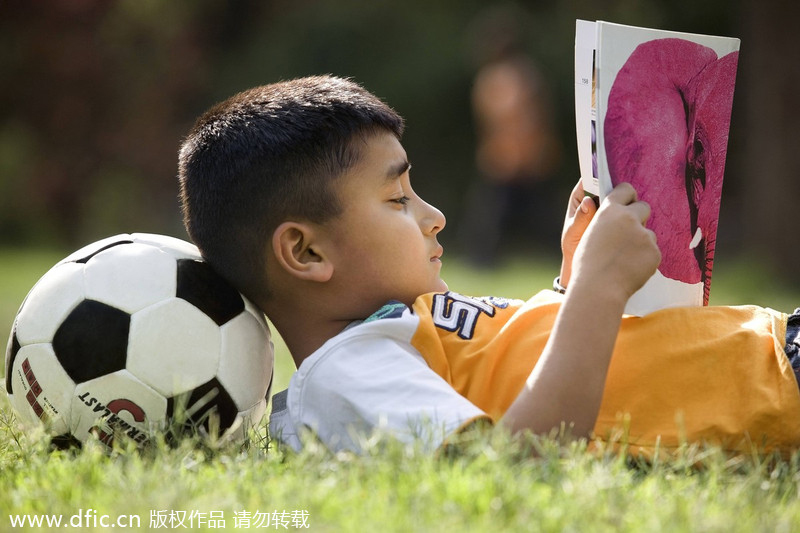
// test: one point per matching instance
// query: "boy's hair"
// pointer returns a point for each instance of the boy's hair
(267, 155)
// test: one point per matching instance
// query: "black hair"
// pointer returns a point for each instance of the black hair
(267, 155)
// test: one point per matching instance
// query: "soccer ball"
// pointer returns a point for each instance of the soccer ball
(134, 334)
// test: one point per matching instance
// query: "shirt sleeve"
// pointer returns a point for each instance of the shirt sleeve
(367, 383)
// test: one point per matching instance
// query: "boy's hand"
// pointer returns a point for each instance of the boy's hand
(580, 211)
(618, 252)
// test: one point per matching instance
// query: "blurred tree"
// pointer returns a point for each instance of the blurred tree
(95, 99)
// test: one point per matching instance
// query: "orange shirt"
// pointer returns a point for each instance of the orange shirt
(693, 374)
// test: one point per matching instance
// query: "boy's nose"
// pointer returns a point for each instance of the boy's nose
(433, 221)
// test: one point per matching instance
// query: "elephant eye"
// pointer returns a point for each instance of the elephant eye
(696, 167)
(699, 163)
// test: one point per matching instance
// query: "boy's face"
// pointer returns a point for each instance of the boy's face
(384, 243)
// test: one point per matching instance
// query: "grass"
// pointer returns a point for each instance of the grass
(491, 486)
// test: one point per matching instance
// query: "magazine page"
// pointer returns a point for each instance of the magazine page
(663, 106)
(585, 108)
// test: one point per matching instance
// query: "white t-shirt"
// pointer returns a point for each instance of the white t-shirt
(370, 378)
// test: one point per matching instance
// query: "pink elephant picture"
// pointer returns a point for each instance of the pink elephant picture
(666, 132)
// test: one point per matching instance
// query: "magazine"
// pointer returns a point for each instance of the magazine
(653, 108)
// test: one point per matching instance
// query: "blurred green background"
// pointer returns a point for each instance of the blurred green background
(97, 94)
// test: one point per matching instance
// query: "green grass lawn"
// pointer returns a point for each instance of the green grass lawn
(492, 486)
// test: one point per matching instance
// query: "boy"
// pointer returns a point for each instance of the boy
(299, 193)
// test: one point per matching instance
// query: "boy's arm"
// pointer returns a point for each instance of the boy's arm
(614, 258)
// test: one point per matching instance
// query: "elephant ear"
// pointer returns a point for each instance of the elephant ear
(711, 95)
(646, 135)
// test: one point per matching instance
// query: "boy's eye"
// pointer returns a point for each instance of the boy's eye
(403, 200)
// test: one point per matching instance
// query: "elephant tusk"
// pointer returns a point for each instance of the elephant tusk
(698, 236)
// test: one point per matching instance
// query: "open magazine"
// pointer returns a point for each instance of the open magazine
(653, 108)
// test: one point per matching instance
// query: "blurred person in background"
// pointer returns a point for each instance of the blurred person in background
(512, 203)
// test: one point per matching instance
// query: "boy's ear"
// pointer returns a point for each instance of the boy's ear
(296, 249)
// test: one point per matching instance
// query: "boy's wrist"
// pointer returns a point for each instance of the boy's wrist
(564, 274)
(596, 293)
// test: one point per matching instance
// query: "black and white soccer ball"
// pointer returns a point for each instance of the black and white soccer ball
(131, 333)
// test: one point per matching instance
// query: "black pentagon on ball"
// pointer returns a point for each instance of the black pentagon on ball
(202, 287)
(10, 357)
(206, 401)
(92, 341)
